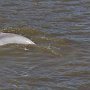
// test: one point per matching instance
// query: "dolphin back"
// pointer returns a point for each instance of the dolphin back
(10, 38)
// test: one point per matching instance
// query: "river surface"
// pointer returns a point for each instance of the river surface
(61, 58)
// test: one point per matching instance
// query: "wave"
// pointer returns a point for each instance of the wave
(46, 43)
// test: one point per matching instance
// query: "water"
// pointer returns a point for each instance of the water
(61, 30)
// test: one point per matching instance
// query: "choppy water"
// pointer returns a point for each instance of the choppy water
(61, 59)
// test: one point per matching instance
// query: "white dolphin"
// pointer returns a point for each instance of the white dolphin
(10, 38)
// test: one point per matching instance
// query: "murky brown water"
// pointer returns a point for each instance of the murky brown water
(61, 59)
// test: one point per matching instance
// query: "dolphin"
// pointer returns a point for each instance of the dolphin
(10, 38)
